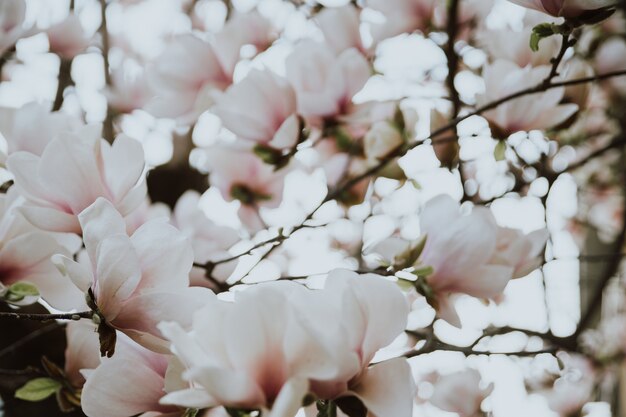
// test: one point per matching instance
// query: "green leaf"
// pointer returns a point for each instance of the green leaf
(405, 284)
(542, 30)
(499, 150)
(191, 412)
(423, 271)
(20, 290)
(268, 154)
(38, 389)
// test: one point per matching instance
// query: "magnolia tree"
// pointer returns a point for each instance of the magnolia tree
(271, 208)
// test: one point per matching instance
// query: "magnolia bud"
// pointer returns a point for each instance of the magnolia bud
(381, 140)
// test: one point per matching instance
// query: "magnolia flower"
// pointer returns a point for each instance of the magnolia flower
(460, 393)
(129, 89)
(522, 252)
(25, 253)
(12, 14)
(210, 242)
(373, 313)
(183, 76)
(381, 139)
(130, 383)
(574, 387)
(279, 341)
(401, 16)
(258, 352)
(242, 29)
(72, 173)
(135, 281)
(513, 45)
(564, 8)
(241, 175)
(262, 109)
(610, 57)
(67, 38)
(82, 351)
(340, 26)
(325, 83)
(31, 127)
(533, 111)
(460, 249)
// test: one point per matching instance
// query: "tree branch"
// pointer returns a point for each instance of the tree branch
(46, 317)
(107, 127)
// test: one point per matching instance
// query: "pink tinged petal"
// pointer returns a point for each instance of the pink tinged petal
(289, 400)
(229, 387)
(117, 274)
(82, 350)
(446, 310)
(122, 388)
(80, 275)
(141, 314)
(487, 282)
(191, 397)
(288, 133)
(387, 389)
(460, 248)
(24, 166)
(50, 219)
(165, 254)
(183, 345)
(70, 167)
(134, 198)
(555, 116)
(438, 214)
(99, 221)
(123, 165)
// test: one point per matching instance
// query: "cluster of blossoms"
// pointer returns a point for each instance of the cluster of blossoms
(188, 313)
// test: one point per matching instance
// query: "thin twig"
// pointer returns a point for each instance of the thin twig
(46, 317)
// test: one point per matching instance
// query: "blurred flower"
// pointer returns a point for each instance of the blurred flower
(25, 253)
(460, 393)
(31, 127)
(72, 172)
(67, 38)
(325, 83)
(533, 111)
(564, 8)
(261, 108)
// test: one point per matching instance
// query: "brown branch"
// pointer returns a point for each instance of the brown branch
(107, 127)
(46, 317)
(612, 268)
(403, 149)
(64, 81)
(434, 345)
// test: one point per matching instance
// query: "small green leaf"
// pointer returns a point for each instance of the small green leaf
(499, 150)
(405, 284)
(268, 154)
(191, 412)
(542, 30)
(38, 389)
(423, 271)
(19, 290)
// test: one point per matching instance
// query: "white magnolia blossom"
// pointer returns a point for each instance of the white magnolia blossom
(292, 343)
(136, 281)
(72, 173)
